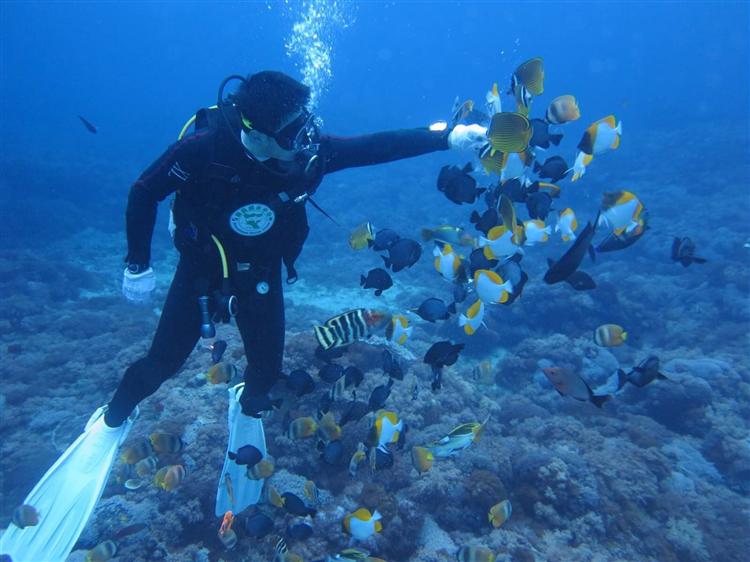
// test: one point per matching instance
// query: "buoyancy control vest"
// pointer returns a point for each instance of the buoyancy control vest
(235, 211)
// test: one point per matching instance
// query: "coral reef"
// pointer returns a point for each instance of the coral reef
(658, 473)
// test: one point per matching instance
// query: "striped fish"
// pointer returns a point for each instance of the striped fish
(280, 549)
(348, 327)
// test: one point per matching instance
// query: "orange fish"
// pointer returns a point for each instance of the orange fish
(226, 523)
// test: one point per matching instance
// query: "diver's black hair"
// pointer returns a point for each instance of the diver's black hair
(267, 97)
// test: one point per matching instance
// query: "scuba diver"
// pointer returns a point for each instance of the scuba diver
(242, 180)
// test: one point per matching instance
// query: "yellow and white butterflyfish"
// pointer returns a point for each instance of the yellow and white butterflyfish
(515, 165)
(499, 243)
(620, 211)
(398, 330)
(362, 524)
(473, 319)
(599, 137)
(492, 99)
(447, 262)
(490, 287)
(567, 224)
(536, 231)
(388, 428)
(579, 166)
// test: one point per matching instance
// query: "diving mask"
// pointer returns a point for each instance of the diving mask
(299, 133)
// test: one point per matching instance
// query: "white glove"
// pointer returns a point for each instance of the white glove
(137, 287)
(465, 137)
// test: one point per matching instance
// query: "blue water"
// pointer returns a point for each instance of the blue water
(677, 75)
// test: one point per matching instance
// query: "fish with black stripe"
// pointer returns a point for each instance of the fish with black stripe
(348, 327)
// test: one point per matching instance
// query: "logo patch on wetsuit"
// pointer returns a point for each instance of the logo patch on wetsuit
(252, 220)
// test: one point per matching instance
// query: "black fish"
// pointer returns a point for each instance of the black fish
(379, 395)
(331, 372)
(514, 190)
(581, 281)
(332, 453)
(540, 135)
(434, 309)
(441, 354)
(645, 373)
(458, 185)
(89, 125)
(563, 268)
(383, 459)
(259, 403)
(403, 253)
(391, 366)
(327, 355)
(377, 279)
(486, 221)
(554, 168)
(549, 188)
(384, 239)
(511, 271)
(324, 406)
(477, 260)
(300, 382)
(354, 411)
(247, 455)
(258, 525)
(460, 292)
(294, 505)
(217, 351)
(683, 251)
(353, 376)
(299, 529)
(539, 205)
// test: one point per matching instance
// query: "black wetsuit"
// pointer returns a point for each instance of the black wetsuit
(213, 178)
